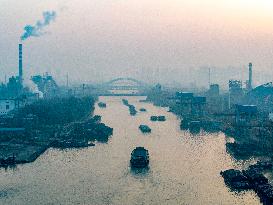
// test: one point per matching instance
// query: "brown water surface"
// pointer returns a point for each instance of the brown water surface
(184, 169)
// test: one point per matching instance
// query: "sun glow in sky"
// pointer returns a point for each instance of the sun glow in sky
(108, 38)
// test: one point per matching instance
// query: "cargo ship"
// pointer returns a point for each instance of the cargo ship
(139, 158)
(102, 105)
(145, 128)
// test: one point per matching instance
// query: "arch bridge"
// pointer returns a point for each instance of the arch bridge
(118, 86)
(124, 84)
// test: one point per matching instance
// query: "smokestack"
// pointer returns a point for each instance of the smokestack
(250, 76)
(20, 62)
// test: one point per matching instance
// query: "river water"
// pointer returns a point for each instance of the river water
(184, 169)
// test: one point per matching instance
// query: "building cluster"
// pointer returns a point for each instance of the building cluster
(245, 113)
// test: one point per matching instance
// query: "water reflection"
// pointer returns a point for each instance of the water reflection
(142, 172)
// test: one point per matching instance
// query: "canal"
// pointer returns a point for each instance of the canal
(184, 169)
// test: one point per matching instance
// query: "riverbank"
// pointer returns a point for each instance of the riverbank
(250, 128)
(22, 152)
(250, 135)
(50, 124)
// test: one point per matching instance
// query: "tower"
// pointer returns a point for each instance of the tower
(250, 76)
(20, 62)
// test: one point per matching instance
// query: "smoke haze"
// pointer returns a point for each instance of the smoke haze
(37, 29)
(149, 40)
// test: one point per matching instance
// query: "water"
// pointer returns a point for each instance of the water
(184, 169)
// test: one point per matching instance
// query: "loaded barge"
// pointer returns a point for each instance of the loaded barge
(139, 158)
(145, 128)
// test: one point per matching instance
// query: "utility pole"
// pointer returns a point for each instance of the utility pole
(83, 87)
(250, 76)
(67, 80)
(209, 77)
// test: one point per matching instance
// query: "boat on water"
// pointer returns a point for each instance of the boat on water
(158, 118)
(125, 102)
(139, 157)
(132, 110)
(195, 126)
(184, 125)
(161, 118)
(102, 105)
(8, 161)
(145, 128)
(153, 118)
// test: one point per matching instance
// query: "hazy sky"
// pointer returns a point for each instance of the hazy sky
(151, 40)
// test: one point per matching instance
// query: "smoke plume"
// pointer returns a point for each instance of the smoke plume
(37, 29)
(32, 87)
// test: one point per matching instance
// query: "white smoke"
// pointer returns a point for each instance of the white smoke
(37, 29)
(33, 87)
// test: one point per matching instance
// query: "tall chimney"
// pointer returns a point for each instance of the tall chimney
(20, 62)
(250, 76)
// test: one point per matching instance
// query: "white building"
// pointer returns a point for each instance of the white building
(7, 105)
(271, 116)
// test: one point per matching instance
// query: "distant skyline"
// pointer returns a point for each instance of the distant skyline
(169, 41)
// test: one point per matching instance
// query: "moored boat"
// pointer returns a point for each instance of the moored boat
(194, 126)
(8, 161)
(102, 105)
(161, 118)
(184, 125)
(235, 179)
(153, 118)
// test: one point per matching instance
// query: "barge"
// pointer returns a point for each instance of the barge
(142, 110)
(102, 105)
(161, 118)
(139, 158)
(153, 118)
(145, 128)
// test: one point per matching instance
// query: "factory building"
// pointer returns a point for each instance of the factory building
(7, 105)
(262, 96)
(245, 113)
(187, 104)
(235, 92)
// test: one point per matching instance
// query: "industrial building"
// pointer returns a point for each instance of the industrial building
(46, 85)
(262, 96)
(7, 105)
